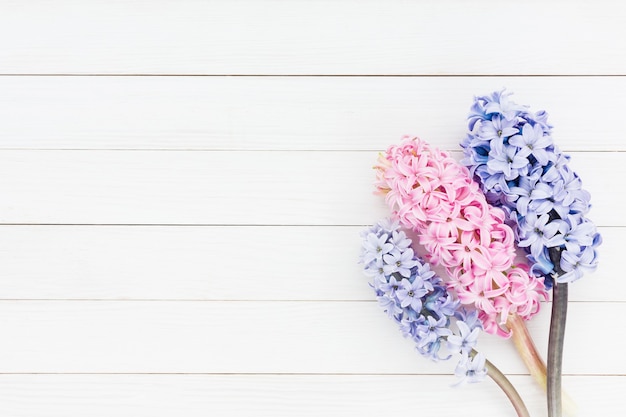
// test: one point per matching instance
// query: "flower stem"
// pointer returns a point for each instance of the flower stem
(535, 364)
(508, 388)
(527, 349)
(555, 348)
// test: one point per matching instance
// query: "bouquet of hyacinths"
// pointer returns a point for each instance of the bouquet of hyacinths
(412, 295)
(510, 151)
(435, 197)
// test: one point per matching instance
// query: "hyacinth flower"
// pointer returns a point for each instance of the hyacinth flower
(434, 196)
(413, 296)
(510, 151)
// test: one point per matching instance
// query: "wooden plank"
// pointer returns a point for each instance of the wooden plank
(300, 37)
(258, 337)
(287, 113)
(283, 395)
(190, 263)
(277, 188)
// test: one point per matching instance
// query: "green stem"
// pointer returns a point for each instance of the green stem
(529, 354)
(555, 347)
(508, 388)
(526, 348)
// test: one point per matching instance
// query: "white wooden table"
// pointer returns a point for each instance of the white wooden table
(182, 184)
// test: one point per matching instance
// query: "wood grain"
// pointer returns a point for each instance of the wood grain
(200, 263)
(282, 395)
(289, 113)
(260, 337)
(262, 188)
(322, 37)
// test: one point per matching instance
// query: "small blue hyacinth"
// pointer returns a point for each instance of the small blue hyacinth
(471, 370)
(410, 293)
(511, 153)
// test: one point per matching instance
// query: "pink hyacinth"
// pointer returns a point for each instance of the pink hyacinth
(432, 194)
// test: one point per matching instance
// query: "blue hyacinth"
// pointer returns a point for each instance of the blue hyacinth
(417, 299)
(512, 155)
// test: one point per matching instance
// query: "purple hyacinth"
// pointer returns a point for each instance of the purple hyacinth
(544, 199)
(419, 302)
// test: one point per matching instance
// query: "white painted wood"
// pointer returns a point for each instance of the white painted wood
(161, 187)
(285, 395)
(179, 199)
(201, 263)
(301, 113)
(260, 337)
(321, 37)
